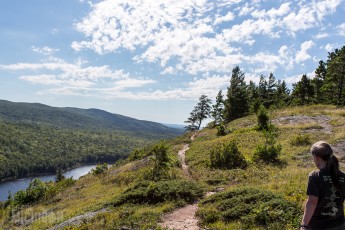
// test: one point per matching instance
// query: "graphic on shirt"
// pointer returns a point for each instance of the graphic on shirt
(331, 206)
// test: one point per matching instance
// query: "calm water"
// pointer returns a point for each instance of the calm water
(20, 184)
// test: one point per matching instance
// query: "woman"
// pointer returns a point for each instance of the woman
(326, 188)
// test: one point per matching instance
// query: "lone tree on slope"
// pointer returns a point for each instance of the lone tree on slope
(200, 112)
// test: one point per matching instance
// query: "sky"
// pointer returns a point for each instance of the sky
(153, 59)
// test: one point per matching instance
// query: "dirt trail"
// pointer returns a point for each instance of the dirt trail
(182, 157)
(182, 218)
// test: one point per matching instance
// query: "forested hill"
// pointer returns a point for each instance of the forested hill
(36, 138)
(75, 118)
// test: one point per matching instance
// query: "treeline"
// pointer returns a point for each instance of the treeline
(32, 149)
(326, 87)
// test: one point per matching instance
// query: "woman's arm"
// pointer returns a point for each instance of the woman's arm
(309, 210)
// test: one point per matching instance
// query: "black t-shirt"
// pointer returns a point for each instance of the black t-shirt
(329, 211)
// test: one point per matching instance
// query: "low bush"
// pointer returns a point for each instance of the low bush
(32, 194)
(221, 130)
(148, 192)
(39, 190)
(300, 140)
(267, 153)
(227, 156)
(252, 207)
(263, 118)
(100, 169)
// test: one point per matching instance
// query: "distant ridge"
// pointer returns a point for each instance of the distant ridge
(175, 126)
(76, 118)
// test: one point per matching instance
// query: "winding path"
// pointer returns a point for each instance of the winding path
(182, 218)
(182, 157)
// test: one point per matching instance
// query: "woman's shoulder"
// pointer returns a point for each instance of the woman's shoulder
(314, 173)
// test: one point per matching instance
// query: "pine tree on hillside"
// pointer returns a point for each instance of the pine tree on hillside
(263, 89)
(192, 119)
(282, 94)
(303, 91)
(318, 81)
(271, 90)
(218, 109)
(335, 76)
(236, 104)
(200, 112)
(253, 97)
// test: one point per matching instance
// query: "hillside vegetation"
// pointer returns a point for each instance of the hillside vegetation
(36, 138)
(135, 193)
(75, 118)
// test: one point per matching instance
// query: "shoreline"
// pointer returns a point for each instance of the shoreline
(51, 174)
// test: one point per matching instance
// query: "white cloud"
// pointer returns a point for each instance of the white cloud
(303, 55)
(168, 70)
(130, 83)
(210, 85)
(293, 79)
(309, 15)
(75, 78)
(245, 10)
(322, 35)
(46, 79)
(341, 29)
(228, 17)
(44, 50)
(330, 47)
(189, 36)
(285, 55)
(272, 13)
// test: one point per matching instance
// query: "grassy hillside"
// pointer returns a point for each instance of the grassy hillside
(135, 193)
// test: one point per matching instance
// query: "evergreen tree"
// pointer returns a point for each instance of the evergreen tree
(303, 91)
(263, 90)
(236, 104)
(192, 121)
(253, 97)
(335, 76)
(59, 176)
(263, 118)
(282, 94)
(200, 112)
(318, 81)
(218, 109)
(271, 90)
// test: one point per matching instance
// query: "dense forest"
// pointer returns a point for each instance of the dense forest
(75, 118)
(326, 87)
(37, 139)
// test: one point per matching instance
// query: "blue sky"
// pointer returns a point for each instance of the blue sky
(152, 59)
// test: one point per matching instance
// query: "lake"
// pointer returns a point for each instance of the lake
(20, 184)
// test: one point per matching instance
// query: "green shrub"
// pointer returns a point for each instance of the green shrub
(100, 169)
(32, 194)
(55, 188)
(252, 207)
(138, 154)
(301, 140)
(267, 153)
(162, 161)
(263, 118)
(148, 192)
(221, 130)
(227, 156)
